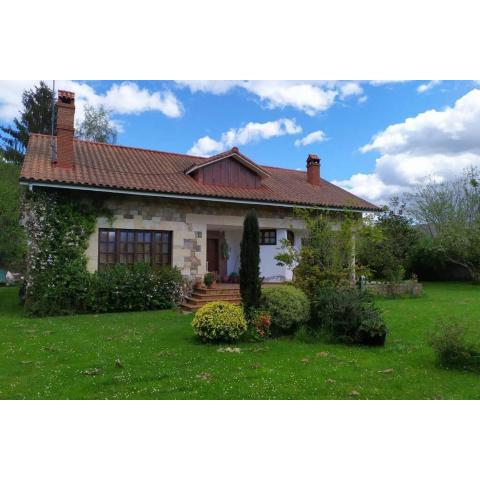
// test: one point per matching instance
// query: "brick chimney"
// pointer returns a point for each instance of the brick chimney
(313, 169)
(65, 128)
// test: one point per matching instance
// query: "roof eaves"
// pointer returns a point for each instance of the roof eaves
(213, 197)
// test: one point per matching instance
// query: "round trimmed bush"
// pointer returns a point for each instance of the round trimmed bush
(219, 321)
(288, 307)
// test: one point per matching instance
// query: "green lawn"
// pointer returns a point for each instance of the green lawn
(51, 358)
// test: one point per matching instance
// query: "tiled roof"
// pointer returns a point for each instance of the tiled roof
(126, 168)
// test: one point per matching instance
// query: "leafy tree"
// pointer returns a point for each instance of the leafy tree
(326, 256)
(450, 214)
(96, 126)
(250, 282)
(12, 237)
(36, 117)
(387, 243)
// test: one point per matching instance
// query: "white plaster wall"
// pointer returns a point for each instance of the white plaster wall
(233, 238)
(268, 265)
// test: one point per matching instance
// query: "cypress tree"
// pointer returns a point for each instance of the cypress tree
(250, 282)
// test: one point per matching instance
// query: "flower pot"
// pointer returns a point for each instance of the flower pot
(372, 341)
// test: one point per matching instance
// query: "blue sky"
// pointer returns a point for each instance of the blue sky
(268, 120)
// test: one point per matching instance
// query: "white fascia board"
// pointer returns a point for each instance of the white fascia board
(182, 197)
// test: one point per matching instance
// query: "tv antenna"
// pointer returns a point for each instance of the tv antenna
(52, 142)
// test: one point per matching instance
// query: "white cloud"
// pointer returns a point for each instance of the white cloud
(11, 97)
(437, 144)
(454, 130)
(217, 87)
(424, 87)
(125, 98)
(369, 186)
(313, 137)
(311, 97)
(121, 98)
(249, 133)
(206, 146)
(350, 88)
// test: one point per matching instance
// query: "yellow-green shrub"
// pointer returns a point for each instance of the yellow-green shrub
(219, 321)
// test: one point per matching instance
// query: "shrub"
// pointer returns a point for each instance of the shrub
(57, 280)
(259, 324)
(450, 342)
(137, 287)
(372, 331)
(58, 228)
(288, 307)
(208, 279)
(342, 311)
(219, 321)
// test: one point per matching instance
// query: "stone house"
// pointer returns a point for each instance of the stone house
(176, 209)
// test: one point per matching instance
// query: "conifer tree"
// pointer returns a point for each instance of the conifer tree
(36, 117)
(250, 282)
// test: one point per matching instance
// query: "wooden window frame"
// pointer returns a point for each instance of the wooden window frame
(117, 252)
(264, 231)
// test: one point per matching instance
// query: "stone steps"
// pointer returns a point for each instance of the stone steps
(201, 296)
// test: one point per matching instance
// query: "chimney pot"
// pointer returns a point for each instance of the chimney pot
(65, 128)
(313, 169)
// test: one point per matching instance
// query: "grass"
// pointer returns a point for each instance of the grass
(76, 357)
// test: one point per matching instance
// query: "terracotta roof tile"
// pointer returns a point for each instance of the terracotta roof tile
(128, 168)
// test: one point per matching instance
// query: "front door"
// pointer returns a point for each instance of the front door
(212, 254)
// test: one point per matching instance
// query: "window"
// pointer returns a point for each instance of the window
(268, 237)
(134, 246)
(291, 237)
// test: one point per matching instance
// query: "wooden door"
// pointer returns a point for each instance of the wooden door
(212, 254)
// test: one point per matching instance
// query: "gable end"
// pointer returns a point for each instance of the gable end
(227, 172)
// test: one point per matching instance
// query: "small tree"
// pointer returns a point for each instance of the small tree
(327, 253)
(36, 117)
(450, 214)
(250, 282)
(96, 126)
(387, 243)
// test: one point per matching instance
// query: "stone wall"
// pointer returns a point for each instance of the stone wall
(188, 220)
(384, 289)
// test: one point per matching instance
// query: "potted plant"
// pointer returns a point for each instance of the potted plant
(198, 282)
(208, 279)
(372, 332)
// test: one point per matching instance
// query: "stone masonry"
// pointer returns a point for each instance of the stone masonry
(187, 219)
